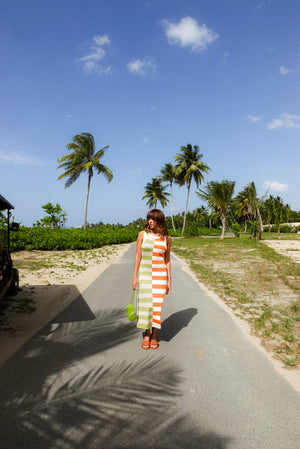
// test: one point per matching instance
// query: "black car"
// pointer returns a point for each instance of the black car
(9, 276)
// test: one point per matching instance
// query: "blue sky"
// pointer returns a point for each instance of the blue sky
(145, 78)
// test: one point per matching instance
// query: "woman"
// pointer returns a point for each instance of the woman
(152, 259)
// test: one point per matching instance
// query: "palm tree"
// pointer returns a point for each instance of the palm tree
(218, 196)
(252, 202)
(168, 174)
(155, 191)
(242, 208)
(83, 158)
(278, 209)
(189, 168)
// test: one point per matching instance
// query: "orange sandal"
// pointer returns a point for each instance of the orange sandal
(146, 343)
(154, 344)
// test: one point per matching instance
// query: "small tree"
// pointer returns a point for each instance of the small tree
(55, 218)
(218, 196)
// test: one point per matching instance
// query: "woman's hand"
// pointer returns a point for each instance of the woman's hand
(135, 283)
(169, 288)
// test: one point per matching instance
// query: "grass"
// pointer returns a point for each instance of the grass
(259, 284)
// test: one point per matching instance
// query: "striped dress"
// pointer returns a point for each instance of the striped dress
(153, 281)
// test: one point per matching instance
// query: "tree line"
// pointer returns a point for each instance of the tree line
(188, 168)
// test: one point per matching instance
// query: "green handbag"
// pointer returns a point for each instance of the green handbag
(131, 308)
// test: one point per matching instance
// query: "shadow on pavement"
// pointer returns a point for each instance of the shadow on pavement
(172, 325)
(59, 391)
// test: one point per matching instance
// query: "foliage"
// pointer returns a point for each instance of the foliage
(83, 158)
(189, 167)
(55, 218)
(236, 229)
(69, 239)
(168, 174)
(155, 192)
(247, 204)
(218, 196)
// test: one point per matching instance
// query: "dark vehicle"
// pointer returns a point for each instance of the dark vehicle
(9, 276)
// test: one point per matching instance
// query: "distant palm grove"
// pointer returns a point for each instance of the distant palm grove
(244, 212)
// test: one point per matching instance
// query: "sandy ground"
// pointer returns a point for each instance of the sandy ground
(290, 248)
(45, 292)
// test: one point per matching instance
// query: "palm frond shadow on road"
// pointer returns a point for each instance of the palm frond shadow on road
(59, 394)
(59, 346)
(125, 405)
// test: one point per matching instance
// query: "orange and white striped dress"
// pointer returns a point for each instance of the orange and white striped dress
(153, 280)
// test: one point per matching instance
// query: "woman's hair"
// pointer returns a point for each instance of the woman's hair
(158, 216)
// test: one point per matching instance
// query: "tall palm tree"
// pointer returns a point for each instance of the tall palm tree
(168, 174)
(155, 192)
(83, 158)
(218, 196)
(189, 167)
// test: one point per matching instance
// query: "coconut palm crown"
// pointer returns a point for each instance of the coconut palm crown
(155, 192)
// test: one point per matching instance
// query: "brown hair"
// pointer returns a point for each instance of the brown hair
(158, 216)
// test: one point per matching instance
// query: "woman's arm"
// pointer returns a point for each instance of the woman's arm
(138, 256)
(168, 263)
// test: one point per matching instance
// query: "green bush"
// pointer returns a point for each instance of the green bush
(70, 239)
(236, 229)
(285, 228)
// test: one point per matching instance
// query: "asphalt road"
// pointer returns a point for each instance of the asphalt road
(83, 382)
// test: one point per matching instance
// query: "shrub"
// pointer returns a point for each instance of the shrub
(70, 239)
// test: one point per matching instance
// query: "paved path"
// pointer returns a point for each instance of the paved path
(83, 382)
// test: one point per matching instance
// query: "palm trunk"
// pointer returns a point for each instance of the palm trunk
(186, 205)
(171, 201)
(86, 201)
(223, 218)
(260, 225)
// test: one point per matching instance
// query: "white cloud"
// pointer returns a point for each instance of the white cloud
(284, 70)
(142, 66)
(18, 158)
(254, 118)
(285, 120)
(188, 33)
(90, 62)
(276, 186)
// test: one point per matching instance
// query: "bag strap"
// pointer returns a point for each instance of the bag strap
(133, 298)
